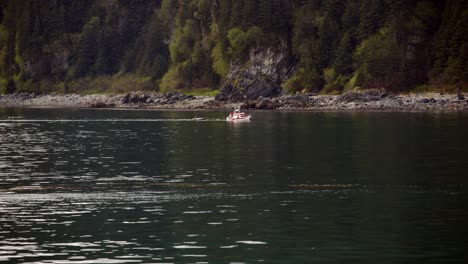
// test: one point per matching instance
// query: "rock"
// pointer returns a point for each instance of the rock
(143, 97)
(176, 96)
(424, 101)
(168, 95)
(265, 104)
(101, 104)
(134, 98)
(262, 104)
(432, 100)
(261, 88)
(125, 99)
(362, 96)
(260, 76)
(251, 90)
(460, 97)
(249, 104)
(297, 101)
(212, 104)
(229, 93)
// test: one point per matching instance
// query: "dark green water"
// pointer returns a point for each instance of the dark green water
(108, 186)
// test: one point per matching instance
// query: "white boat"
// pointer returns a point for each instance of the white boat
(237, 115)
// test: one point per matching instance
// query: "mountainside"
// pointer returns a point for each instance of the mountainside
(242, 47)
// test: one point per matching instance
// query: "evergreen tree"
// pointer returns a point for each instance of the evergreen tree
(351, 16)
(371, 18)
(236, 13)
(450, 44)
(87, 52)
(334, 8)
(249, 13)
(265, 11)
(328, 41)
(225, 7)
(344, 54)
(190, 43)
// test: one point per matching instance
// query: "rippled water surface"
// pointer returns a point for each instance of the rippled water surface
(114, 186)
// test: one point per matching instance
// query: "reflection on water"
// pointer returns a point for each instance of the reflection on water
(102, 186)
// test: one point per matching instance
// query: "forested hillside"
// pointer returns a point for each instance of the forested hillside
(330, 45)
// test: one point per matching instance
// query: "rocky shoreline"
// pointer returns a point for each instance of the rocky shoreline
(368, 100)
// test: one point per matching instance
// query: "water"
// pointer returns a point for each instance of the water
(114, 186)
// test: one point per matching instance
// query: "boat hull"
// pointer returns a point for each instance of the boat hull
(234, 118)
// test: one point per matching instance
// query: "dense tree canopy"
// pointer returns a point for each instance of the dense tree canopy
(187, 44)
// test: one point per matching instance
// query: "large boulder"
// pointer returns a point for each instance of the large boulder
(125, 99)
(135, 98)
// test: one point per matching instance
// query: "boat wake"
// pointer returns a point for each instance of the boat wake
(108, 120)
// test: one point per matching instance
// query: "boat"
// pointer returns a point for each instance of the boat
(237, 115)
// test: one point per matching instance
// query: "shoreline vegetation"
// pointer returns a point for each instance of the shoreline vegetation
(241, 48)
(366, 100)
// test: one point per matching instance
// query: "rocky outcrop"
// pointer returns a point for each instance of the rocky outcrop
(366, 100)
(370, 100)
(260, 76)
(167, 98)
(362, 96)
(100, 104)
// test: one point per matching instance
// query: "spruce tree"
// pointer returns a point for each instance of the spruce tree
(265, 11)
(372, 17)
(87, 52)
(344, 55)
(249, 13)
(236, 13)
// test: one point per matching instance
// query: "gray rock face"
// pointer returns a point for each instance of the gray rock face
(140, 98)
(260, 76)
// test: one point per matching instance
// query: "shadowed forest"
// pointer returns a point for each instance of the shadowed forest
(330, 45)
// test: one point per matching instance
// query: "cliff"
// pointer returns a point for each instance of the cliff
(261, 76)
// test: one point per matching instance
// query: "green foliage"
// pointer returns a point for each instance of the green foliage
(3, 85)
(202, 92)
(220, 63)
(238, 41)
(189, 44)
(87, 52)
(329, 75)
(173, 79)
(344, 55)
(303, 80)
(372, 15)
(334, 83)
(183, 40)
(356, 81)
(377, 58)
(451, 45)
(4, 52)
